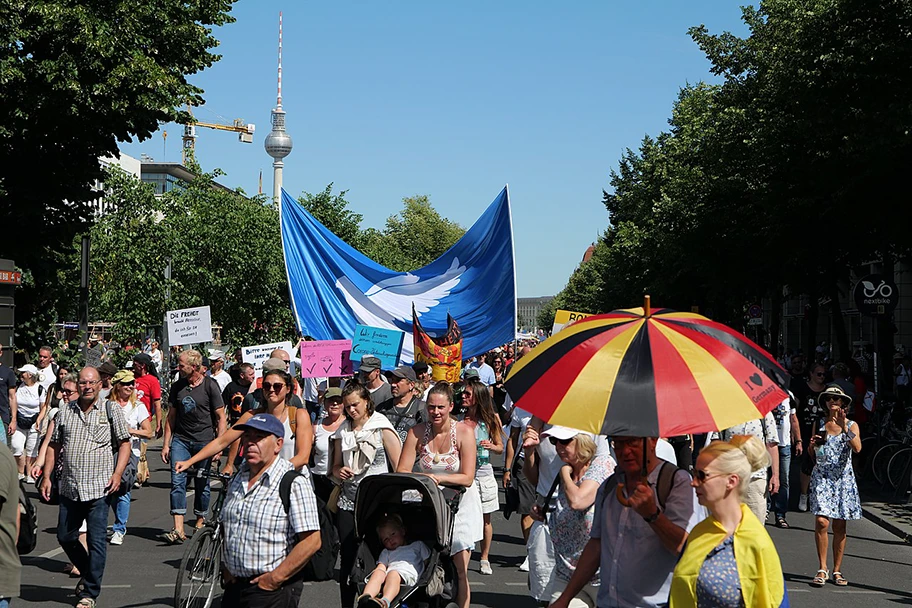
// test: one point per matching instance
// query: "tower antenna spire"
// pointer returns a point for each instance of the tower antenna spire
(278, 142)
(279, 96)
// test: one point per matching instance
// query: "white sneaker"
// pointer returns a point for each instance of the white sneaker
(117, 539)
(486, 567)
(803, 503)
(29, 479)
(21, 476)
(524, 567)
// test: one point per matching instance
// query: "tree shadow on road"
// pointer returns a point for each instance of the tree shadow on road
(801, 578)
(47, 595)
(495, 600)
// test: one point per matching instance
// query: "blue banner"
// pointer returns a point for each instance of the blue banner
(334, 287)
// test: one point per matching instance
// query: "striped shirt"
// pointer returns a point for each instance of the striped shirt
(259, 535)
(87, 448)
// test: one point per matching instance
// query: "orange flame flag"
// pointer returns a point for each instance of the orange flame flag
(443, 354)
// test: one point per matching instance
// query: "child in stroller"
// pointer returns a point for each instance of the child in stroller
(399, 564)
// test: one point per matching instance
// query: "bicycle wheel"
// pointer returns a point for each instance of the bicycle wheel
(198, 575)
(898, 465)
(882, 459)
(862, 461)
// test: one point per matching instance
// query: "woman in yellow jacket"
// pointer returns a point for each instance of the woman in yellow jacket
(729, 561)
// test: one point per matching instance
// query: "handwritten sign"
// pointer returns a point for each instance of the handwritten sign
(326, 358)
(189, 326)
(385, 344)
(256, 355)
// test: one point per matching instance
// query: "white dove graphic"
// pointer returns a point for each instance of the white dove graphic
(390, 300)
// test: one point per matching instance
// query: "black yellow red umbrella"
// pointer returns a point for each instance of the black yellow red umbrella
(647, 373)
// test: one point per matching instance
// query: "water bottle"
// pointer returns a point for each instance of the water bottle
(481, 433)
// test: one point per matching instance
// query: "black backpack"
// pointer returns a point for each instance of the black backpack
(28, 523)
(322, 565)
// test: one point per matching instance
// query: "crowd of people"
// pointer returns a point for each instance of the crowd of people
(619, 521)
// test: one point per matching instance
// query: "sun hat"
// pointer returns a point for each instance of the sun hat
(123, 375)
(834, 390)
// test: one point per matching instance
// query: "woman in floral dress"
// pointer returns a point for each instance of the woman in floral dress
(833, 491)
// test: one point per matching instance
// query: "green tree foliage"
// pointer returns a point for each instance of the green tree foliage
(76, 78)
(332, 211)
(225, 252)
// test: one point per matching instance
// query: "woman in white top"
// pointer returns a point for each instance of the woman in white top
(447, 455)
(323, 431)
(139, 423)
(362, 446)
(30, 411)
(479, 415)
(278, 388)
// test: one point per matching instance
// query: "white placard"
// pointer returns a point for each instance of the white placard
(189, 326)
(256, 355)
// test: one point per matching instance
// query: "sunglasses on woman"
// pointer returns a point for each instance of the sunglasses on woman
(555, 441)
(702, 476)
(273, 386)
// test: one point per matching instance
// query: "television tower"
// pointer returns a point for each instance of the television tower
(278, 142)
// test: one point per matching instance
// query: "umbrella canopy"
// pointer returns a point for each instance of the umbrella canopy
(647, 373)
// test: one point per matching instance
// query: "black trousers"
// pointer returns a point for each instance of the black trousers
(243, 594)
(348, 551)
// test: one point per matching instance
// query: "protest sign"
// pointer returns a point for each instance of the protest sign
(385, 344)
(189, 326)
(326, 358)
(256, 355)
(565, 317)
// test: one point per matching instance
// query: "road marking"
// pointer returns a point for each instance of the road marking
(799, 590)
(863, 591)
(474, 584)
(116, 586)
(52, 553)
(516, 584)
(164, 584)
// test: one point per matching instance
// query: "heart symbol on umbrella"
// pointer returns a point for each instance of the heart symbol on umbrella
(757, 379)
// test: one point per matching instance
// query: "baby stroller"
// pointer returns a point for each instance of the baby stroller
(429, 512)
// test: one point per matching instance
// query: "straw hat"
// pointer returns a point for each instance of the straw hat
(834, 390)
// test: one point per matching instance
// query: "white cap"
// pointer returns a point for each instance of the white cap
(215, 355)
(563, 432)
(28, 367)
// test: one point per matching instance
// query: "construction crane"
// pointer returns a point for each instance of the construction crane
(244, 131)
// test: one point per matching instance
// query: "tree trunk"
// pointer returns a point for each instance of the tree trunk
(842, 337)
(810, 339)
(776, 320)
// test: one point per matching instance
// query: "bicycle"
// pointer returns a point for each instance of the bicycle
(898, 466)
(200, 568)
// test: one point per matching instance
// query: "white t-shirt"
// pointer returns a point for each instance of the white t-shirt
(28, 400)
(406, 557)
(223, 378)
(311, 388)
(782, 413)
(321, 450)
(46, 376)
(519, 419)
(135, 415)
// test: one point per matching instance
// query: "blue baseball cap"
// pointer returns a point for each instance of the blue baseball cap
(263, 422)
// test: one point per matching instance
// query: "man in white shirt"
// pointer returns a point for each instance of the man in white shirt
(47, 369)
(217, 369)
(485, 371)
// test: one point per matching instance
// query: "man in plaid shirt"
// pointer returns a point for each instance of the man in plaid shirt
(265, 547)
(93, 451)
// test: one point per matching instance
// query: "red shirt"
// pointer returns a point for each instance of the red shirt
(148, 389)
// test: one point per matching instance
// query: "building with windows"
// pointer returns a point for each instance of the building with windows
(527, 310)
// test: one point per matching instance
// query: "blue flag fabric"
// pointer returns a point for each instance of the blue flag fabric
(334, 287)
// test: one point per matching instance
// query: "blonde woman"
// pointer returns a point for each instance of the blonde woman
(729, 561)
(139, 424)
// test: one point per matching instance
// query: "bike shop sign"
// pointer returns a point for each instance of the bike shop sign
(875, 295)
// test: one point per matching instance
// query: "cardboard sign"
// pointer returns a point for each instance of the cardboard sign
(562, 318)
(326, 358)
(385, 344)
(256, 355)
(189, 326)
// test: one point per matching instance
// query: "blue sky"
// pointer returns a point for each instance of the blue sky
(454, 100)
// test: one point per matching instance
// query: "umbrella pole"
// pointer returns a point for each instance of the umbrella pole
(647, 307)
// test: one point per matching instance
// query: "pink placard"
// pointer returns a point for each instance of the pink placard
(326, 358)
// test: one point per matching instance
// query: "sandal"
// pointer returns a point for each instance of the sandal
(174, 537)
(781, 523)
(85, 602)
(821, 578)
(839, 579)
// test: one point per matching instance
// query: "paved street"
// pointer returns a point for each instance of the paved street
(141, 572)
